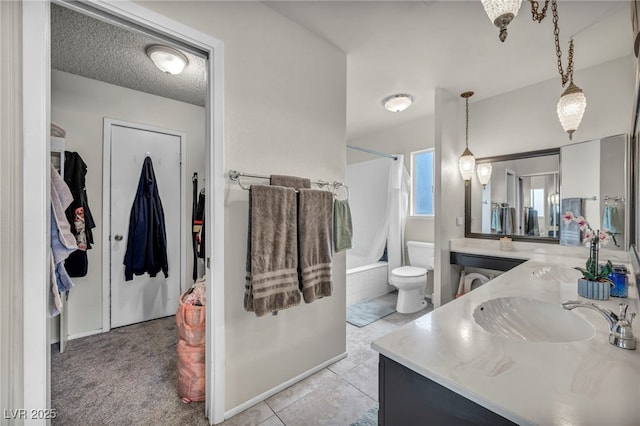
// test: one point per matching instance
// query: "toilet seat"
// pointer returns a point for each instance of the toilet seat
(409, 272)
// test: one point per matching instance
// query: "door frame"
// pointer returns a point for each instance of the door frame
(36, 110)
(108, 123)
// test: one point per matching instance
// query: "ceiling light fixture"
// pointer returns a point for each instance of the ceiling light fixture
(484, 173)
(167, 59)
(467, 161)
(573, 102)
(501, 13)
(397, 103)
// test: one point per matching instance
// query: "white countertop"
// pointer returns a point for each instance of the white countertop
(588, 382)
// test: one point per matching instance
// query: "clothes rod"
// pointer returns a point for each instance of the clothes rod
(370, 151)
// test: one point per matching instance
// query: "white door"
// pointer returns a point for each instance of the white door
(144, 298)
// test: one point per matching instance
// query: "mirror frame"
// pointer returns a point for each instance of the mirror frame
(507, 157)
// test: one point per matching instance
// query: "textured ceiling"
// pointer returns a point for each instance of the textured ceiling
(91, 48)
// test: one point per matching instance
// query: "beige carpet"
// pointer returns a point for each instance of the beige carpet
(124, 377)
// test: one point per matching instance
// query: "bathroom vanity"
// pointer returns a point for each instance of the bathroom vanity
(446, 368)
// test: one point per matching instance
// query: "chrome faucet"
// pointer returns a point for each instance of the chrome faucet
(621, 334)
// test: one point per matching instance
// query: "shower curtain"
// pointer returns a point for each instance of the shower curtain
(379, 204)
(368, 182)
(398, 198)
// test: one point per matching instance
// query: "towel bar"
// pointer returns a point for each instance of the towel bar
(235, 176)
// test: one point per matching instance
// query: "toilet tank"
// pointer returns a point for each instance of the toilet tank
(421, 254)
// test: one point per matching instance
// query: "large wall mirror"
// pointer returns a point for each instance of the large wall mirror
(528, 193)
(520, 200)
(595, 184)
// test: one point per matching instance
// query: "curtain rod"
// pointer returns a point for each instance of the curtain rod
(370, 151)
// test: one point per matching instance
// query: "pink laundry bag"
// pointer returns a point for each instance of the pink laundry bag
(190, 321)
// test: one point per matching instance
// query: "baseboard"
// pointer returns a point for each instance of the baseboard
(78, 336)
(253, 401)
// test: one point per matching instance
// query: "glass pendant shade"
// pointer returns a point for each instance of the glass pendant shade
(484, 173)
(501, 13)
(571, 108)
(467, 164)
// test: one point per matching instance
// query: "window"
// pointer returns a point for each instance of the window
(422, 183)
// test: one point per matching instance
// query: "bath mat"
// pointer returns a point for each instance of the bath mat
(368, 311)
(370, 418)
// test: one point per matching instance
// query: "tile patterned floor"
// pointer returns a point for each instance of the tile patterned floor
(337, 395)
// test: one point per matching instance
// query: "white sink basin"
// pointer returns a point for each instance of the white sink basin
(531, 320)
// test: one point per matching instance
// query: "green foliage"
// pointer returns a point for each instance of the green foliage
(592, 273)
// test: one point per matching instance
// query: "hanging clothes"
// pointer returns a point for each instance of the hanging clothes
(78, 213)
(199, 226)
(147, 239)
(194, 244)
(62, 242)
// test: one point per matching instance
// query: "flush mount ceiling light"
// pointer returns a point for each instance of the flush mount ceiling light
(167, 59)
(573, 102)
(397, 103)
(467, 161)
(484, 173)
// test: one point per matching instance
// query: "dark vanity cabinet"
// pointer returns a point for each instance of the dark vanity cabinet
(495, 263)
(408, 398)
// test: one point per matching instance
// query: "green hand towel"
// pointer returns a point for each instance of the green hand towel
(342, 227)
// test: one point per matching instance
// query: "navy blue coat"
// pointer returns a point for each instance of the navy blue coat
(147, 241)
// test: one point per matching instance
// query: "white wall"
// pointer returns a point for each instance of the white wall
(526, 119)
(449, 199)
(11, 199)
(581, 177)
(414, 136)
(285, 113)
(79, 105)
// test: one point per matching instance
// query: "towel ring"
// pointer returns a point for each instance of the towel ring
(336, 186)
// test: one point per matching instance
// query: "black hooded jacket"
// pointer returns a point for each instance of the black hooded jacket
(147, 241)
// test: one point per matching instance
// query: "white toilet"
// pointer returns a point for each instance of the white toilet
(411, 281)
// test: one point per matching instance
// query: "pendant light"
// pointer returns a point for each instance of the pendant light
(467, 162)
(572, 102)
(484, 173)
(501, 13)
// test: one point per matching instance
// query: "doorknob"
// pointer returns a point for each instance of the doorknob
(118, 237)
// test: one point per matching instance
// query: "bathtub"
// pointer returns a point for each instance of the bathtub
(365, 281)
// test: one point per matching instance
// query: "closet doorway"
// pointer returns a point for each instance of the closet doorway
(125, 148)
(36, 24)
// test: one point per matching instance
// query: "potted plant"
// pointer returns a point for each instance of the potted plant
(595, 282)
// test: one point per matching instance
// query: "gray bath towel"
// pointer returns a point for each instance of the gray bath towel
(272, 250)
(315, 208)
(290, 181)
(570, 232)
(508, 220)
